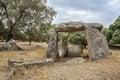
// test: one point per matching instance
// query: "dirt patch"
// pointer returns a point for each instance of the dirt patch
(106, 69)
(30, 52)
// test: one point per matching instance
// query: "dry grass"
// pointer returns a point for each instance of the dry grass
(31, 52)
(106, 69)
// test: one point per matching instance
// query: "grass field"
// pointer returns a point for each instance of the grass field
(106, 69)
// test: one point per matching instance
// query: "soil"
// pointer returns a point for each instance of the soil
(105, 69)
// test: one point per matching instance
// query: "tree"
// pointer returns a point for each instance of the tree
(115, 25)
(115, 37)
(78, 38)
(108, 33)
(19, 15)
(29, 35)
(45, 31)
(2, 29)
(113, 32)
(75, 38)
(64, 35)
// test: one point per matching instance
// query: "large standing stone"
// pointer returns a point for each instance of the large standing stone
(62, 48)
(97, 43)
(75, 51)
(52, 51)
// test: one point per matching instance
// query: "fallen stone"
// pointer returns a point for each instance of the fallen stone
(41, 62)
(14, 66)
(75, 61)
(10, 45)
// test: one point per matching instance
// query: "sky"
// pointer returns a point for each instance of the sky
(88, 11)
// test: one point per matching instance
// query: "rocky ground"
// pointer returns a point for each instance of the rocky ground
(64, 69)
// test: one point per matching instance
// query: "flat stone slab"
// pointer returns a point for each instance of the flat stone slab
(76, 26)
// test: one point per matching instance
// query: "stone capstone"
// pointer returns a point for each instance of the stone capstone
(76, 26)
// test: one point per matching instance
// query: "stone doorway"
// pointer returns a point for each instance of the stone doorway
(71, 44)
(97, 43)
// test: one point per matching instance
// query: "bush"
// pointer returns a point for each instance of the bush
(77, 38)
(115, 37)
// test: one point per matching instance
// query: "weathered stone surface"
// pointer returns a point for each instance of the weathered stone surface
(94, 25)
(76, 26)
(62, 48)
(10, 45)
(41, 62)
(75, 51)
(70, 27)
(75, 61)
(97, 43)
(14, 66)
(52, 51)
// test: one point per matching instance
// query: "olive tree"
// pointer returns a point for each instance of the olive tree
(21, 15)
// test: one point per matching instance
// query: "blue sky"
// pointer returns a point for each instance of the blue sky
(98, 11)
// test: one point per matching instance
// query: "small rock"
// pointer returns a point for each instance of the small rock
(10, 45)
(75, 61)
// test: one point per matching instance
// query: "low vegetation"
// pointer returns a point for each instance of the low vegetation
(90, 70)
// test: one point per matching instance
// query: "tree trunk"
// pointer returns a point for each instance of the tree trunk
(9, 36)
(30, 41)
(84, 46)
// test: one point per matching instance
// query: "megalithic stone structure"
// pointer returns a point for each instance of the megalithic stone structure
(97, 43)
(52, 50)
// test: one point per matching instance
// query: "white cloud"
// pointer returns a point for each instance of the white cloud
(115, 4)
(101, 11)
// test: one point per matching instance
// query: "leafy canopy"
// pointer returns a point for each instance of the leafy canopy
(113, 32)
(21, 15)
